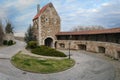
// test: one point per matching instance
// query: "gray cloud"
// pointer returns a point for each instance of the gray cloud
(109, 15)
(106, 14)
(72, 12)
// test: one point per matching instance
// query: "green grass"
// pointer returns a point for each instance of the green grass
(37, 65)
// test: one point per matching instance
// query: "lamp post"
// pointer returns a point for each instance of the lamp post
(69, 49)
(69, 44)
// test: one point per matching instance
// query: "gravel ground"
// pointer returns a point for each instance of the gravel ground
(115, 63)
(87, 67)
(2, 47)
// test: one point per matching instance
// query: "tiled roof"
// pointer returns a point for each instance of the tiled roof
(104, 31)
(41, 11)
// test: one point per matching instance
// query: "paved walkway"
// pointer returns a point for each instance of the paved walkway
(86, 68)
(115, 63)
(9, 51)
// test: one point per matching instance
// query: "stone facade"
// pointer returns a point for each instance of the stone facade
(110, 49)
(47, 25)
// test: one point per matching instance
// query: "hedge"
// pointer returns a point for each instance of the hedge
(8, 42)
(47, 51)
(32, 44)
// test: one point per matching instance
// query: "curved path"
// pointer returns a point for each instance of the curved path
(86, 68)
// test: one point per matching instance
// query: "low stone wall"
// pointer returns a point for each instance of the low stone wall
(9, 37)
(110, 49)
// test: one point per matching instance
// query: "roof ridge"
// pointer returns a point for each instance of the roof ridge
(41, 10)
(104, 31)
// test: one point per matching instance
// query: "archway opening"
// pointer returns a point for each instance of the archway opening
(82, 46)
(101, 49)
(49, 42)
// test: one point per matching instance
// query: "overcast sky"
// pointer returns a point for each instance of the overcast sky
(72, 12)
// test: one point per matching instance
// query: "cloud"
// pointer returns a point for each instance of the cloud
(20, 12)
(105, 13)
(105, 4)
(108, 15)
(2, 14)
(20, 34)
(72, 12)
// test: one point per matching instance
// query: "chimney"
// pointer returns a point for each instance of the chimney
(38, 8)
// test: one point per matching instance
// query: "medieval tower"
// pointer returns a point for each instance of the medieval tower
(46, 24)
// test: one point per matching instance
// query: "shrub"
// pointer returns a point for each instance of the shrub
(46, 51)
(5, 42)
(10, 42)
(32, 44)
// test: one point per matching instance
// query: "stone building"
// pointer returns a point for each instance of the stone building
(46, 25)
(47, 31)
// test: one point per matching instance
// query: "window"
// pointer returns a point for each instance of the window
(101, 49)
(47, 20)
(82, 46)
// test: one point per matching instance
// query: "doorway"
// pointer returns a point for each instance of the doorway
(49, 42)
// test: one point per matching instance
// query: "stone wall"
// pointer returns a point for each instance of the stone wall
(9, 37)
(111, 49)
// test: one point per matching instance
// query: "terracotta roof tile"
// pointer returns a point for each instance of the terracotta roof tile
(41, 11)
(105, 31)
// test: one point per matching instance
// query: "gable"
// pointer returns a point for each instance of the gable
(49, 5)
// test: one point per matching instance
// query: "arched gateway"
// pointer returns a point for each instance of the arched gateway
(48, 42)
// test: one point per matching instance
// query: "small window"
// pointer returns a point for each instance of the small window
(101, 49)
(82, 46)
(62, 45)
(46, 19)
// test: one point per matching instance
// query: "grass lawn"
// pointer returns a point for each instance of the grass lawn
(38, 65)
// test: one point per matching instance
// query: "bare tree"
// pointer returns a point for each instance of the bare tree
(9, 28)
(1, 33)
(84, 28)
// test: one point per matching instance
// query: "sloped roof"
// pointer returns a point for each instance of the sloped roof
(90, 32)
(41, 11)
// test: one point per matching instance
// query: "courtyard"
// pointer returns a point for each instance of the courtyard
(89, 66)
